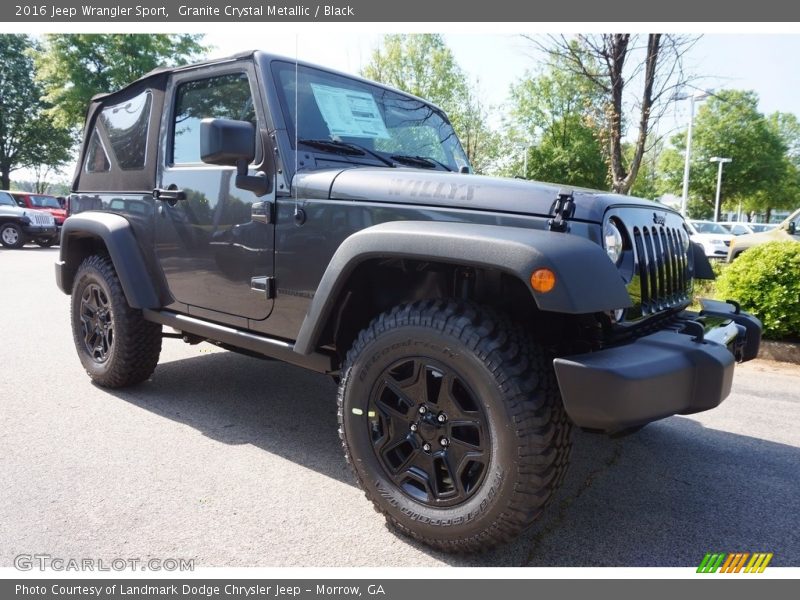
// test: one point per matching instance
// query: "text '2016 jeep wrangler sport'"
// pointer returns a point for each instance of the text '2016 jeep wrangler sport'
(287, 211)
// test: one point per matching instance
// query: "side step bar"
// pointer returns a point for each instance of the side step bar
(272, 348)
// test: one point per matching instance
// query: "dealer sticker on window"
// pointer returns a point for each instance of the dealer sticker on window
(349, 113)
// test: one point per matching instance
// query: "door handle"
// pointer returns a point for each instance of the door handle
(170, 195)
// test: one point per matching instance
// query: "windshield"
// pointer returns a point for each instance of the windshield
(707, 227)
(760, 227)
(6, 200)
(45, 202)
(334, 108)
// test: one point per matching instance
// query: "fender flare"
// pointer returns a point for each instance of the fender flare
(579, 264)
(117, 234)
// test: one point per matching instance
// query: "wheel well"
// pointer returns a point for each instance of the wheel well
(76, 249)
(377, 285)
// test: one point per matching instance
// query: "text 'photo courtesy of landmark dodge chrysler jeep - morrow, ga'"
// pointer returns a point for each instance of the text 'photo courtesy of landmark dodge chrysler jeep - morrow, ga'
(290, 212)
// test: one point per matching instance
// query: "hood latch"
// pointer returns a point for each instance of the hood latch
(562, 210)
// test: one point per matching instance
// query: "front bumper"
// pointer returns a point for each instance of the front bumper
(659, 375)
(37, 232)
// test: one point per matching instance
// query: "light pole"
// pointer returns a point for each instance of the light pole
(525, 149)
(698, 95)
(721, 161)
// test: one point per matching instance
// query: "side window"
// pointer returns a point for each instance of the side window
(96, 156)
(225, 96)
(125, 128)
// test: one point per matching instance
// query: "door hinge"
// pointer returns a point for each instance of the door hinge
(563, 209)
(263, 284)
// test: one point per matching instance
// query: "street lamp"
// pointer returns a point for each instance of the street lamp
(698, 95)
(720, 161)
(526, 148)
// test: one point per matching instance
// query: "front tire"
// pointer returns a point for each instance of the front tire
(12, 236)
(115, 344)
(453, 424)
(46, 242)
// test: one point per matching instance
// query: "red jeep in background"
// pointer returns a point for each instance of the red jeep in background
(43, 202)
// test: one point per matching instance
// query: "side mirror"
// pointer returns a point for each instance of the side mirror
(791, 228)
(226, 142)
(232, 143)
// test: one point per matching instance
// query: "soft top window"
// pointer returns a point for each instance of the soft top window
(96, 156)
(126, 127)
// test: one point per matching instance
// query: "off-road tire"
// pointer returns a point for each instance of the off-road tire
(135, 345)
(529, 433)
(7, 237)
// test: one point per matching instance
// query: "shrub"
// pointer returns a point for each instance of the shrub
(765, 280)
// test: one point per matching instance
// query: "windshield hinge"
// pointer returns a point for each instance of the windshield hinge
(562, 210)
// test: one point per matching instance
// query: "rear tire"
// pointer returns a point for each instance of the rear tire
(116, 346)
(479, 464)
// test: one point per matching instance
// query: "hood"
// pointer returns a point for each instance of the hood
(13, 210)
(58, 213)
(439, 188)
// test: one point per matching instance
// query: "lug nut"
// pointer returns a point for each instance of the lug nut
(426, 446)
(422, 410)
(444, 442)
(441, 418)
(414, 427)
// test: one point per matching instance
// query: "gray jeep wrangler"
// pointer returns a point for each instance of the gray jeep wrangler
(287, 211)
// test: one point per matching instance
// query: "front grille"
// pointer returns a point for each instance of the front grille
(662, 267)
(40, 218)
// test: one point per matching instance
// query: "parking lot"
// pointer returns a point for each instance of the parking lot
(233, 461)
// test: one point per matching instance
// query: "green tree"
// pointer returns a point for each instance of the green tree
(636, 76)
(554, 118)
(74, 67)
(28, 136)
(730, 125)
(647, 184)
(423, 65)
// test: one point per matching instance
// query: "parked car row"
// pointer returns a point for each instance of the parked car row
(742, 228)
(788, 230)
(27, 217)
(714, 238)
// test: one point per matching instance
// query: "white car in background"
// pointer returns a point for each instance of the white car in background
(713, 236)
(744, 228)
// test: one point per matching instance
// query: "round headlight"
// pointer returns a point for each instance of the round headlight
(685, 240)
(612, 241)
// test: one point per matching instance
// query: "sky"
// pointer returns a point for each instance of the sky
(766, 63)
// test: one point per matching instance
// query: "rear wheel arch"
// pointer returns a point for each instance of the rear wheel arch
(107, 234)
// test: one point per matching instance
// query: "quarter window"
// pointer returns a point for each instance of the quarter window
(126, 127)
(96, 157)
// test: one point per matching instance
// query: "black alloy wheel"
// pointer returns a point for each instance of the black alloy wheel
(429, 431)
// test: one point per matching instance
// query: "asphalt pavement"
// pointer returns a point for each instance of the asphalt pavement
(233, 461)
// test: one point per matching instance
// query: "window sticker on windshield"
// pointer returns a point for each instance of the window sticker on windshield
(349, 113)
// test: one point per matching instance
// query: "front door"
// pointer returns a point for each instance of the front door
(215, 242)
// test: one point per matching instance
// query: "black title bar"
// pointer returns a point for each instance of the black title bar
(624, 11)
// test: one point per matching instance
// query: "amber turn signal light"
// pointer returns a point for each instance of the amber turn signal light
(543, 280)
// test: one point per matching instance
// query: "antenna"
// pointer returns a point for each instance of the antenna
(296, 126)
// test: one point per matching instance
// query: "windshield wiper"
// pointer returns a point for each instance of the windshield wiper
(346, 148)
(424, 161)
